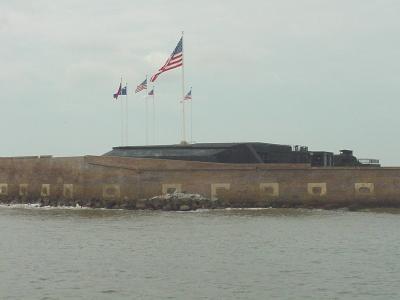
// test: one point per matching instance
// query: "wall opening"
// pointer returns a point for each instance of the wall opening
(218, 187)
(269, 189)
(111, 191)
(45, 190)
(3, 189)
(364, 188)
(316, 188)
(68, 191)
(23, 189)
(171, 188)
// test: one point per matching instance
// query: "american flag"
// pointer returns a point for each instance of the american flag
(151, 93)
(174, 61)
(188, 95)
(142, 86)
(118, 93)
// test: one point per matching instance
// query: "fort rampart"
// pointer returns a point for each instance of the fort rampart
(100, 181)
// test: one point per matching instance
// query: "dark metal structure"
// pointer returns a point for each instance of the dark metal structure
(242, 153)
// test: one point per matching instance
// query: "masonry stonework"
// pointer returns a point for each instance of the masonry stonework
(99, 181)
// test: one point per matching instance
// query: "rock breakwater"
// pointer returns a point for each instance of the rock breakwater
(167, 202)
(189, 202)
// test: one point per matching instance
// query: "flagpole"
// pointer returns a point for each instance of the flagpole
(147, 113)
(154, 119)
(147, 123)
(127, 114)
(122, 123)
(122, 117)
(183, 97)
(191, 118)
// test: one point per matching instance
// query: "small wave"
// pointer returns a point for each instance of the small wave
(37, 206)
(199, 210)
(109, 291)
(248, 208)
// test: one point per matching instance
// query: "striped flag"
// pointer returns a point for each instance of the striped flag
(174, 61)
(118, 93)
(151, 93)
(142, 86)
(188, 95)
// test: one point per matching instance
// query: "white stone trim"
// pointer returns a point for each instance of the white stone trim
(45, 190)
(3, 189)
(312, 185)
(364, 185)
(216, 186)
(168, 186)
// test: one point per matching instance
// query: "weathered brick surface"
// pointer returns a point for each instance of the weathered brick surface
(114, 182)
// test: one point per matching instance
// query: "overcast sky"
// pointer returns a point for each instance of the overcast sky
(320, 73)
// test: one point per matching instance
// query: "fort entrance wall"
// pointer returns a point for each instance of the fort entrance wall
(100, 181)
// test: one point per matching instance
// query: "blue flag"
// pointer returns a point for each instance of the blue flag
(124, 91)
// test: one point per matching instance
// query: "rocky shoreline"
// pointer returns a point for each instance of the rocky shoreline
(167, 202)
(191, 202)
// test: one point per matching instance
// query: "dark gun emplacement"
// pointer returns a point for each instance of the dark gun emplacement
(247, 153)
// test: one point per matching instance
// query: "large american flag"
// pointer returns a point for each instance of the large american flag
(174, 61)
(141, 86)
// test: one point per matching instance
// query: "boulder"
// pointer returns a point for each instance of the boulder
(184, 207)
(141, 204)
(180, 201)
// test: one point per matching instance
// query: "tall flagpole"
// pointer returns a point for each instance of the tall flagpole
(122, 122)
(147, 115)
(183, 97)
(147, 121)
(122, 117)
(126, 115)
(191, 117)
(154, 119)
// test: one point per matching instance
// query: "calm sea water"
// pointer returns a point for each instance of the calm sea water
(223, 254)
